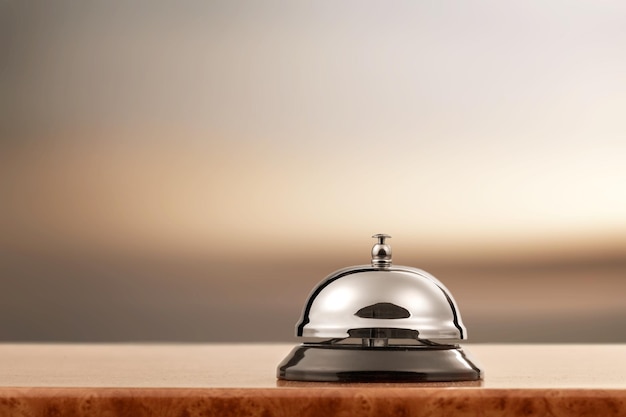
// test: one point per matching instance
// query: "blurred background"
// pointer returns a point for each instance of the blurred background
(188, 171)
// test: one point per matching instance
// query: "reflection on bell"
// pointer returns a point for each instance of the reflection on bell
(380, 322)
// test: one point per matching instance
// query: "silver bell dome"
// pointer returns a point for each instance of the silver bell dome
(380, 323)
(381, 301)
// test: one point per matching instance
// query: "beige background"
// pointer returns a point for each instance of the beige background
(189, 171)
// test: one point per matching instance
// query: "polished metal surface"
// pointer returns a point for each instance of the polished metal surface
(380, 322)
(319, 362)
(381, 301)
(381, 252)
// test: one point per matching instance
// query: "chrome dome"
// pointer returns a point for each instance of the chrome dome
(381, 301)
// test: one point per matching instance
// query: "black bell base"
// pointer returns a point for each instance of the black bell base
(354, 363)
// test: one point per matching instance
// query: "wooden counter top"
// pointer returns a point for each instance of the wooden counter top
(222, 380)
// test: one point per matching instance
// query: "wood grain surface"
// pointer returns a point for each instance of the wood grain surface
(233, 380)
